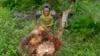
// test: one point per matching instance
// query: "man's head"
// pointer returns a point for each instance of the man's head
(46, 9)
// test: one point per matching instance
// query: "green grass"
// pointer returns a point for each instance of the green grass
(11, 32)
(75, 44)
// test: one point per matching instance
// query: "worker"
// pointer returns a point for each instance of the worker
(47, 18)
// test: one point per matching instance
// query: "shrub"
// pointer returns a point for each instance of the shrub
(10, 35)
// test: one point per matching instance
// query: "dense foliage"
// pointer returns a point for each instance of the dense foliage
(11, 33)
(80, 38)
(20, 5)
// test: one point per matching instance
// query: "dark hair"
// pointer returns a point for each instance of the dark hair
(47, 6)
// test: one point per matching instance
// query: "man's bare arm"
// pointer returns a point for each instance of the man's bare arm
(59, 18)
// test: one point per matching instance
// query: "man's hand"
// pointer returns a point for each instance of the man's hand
(59, 31)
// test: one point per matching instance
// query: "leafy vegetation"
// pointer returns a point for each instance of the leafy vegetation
(80, 38)
(11, 33)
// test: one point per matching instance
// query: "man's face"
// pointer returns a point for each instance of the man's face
(46, 11)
